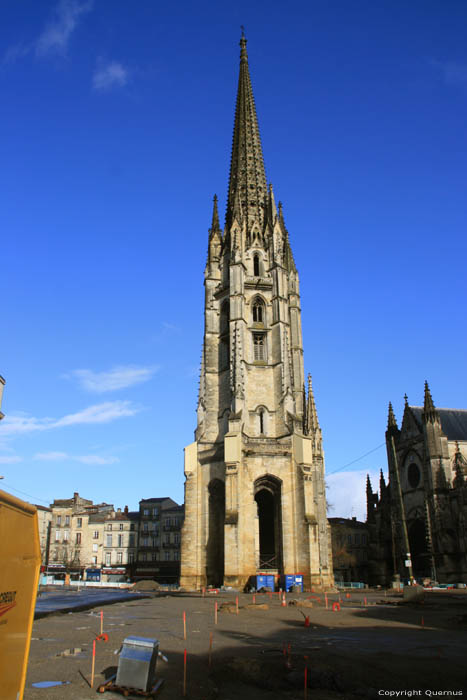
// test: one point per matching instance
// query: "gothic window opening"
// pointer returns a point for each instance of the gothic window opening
(259, 347)
(258, 311)
(224, 344)
(215, 545)
(268, 501)
(413, 475)
(261, 421)
(256, 265)
(225, 318)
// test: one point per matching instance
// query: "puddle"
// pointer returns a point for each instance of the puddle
(75, 651)
(49, 684)
(46, 639)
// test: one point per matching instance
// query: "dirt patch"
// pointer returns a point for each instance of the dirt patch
(262, 653)
(145, 585)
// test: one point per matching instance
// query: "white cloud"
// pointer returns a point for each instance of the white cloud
(58, 31)
(18, 425)
(9, 459)
(83, 459)
(96, 459)
(120, 377)
(51, 456)
(109, 75)
(99, 413)
(346, 493)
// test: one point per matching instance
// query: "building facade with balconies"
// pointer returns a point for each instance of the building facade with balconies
(160, 522)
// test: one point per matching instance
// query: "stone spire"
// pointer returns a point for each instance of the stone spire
(392, 423)
(313, 428)
(382, 483)
(370, 501)
(215, 226)
(215, 235)
(429, 411)
(460, 467)
(247, 181)
(428, 405)
(289, 262)
(311, 412)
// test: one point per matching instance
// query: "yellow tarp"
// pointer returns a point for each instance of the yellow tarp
(20, 560)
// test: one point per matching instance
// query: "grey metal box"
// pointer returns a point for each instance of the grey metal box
(137, 663)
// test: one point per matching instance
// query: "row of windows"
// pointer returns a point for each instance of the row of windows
(120, 526)
(151, 511)
(79, 523)
(119, 558)
(168, 522)
(109, 541)
(154, 556)
(145, 541)
(352, 539)
(152, 541)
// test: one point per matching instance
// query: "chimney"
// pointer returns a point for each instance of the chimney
(119, 510)
(125, 510)
(75, 496)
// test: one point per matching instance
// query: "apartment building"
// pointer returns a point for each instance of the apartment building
(44, 521)
(65, 543)
(160, 522)
(119, 544)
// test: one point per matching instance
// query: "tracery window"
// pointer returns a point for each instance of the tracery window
(256, 265)
(258, 311)
(259, 347)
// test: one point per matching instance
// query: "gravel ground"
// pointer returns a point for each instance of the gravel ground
(375, 643)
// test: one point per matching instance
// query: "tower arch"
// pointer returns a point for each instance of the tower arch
(215, 541)
(268, 497)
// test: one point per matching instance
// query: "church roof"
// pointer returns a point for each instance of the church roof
(247, 182)
(453, 421)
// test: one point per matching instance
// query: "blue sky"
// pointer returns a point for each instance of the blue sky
(116, 132)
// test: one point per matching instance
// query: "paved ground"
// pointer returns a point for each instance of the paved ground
(59, 601)
(373, 644)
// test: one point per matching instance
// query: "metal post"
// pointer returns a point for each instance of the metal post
(402, 510)
(430, 541)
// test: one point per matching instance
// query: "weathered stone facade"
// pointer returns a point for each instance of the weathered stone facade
(254, 491)
(427, 489)
(349, 550)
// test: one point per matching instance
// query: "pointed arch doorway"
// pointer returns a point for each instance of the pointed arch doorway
(215, 543)
(268, 492)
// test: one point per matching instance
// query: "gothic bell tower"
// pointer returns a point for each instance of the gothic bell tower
(254, 492)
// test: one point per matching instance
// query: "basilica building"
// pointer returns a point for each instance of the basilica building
(417, 523)
(254, 491)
